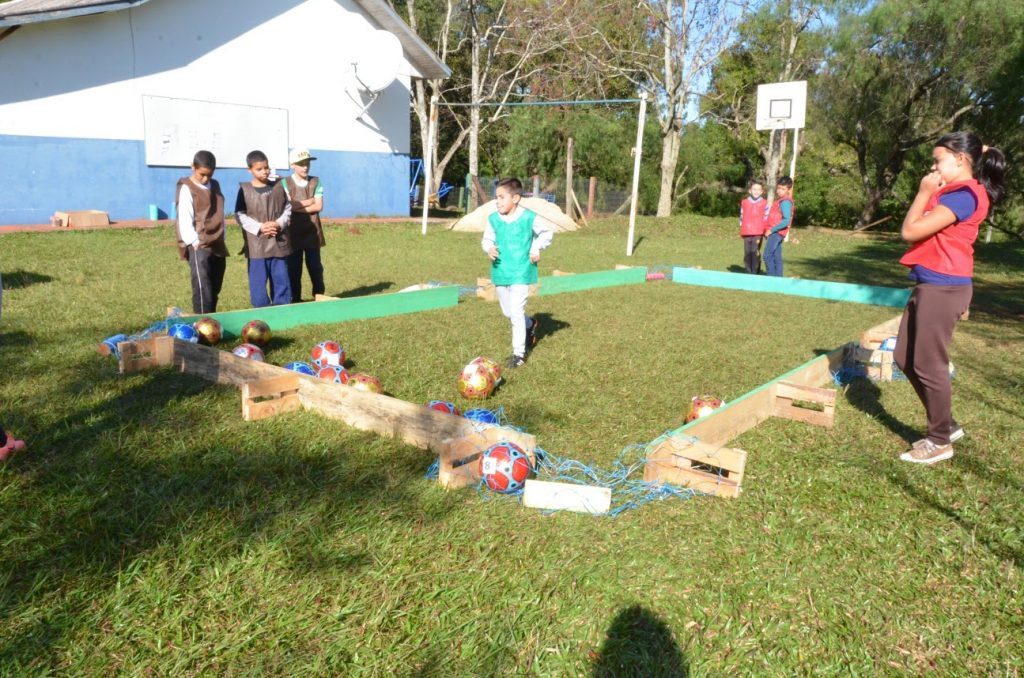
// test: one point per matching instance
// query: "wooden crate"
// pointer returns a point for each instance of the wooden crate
(269, 397)
(685, 461)
(790, 400)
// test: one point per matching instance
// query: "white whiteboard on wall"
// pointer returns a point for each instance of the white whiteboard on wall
(177, 128)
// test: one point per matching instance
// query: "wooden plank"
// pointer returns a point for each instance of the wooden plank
(726, 458)
(460, 455)
(549, 496)
(878, 333)
(810, 394)
(337, 310)
(558, 284)
(818, 289)
(282, 393)
(664, 467)
(222, 367)
(144, 354)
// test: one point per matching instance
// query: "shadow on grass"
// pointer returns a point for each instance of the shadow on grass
(364, 290)
(17, 338)
(120, 478)
(14, 280)
(548, 325)
(866, 397)
(639, 643)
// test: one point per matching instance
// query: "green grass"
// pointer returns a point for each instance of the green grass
(150, 529)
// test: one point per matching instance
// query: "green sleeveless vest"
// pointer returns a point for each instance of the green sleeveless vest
(513, 239)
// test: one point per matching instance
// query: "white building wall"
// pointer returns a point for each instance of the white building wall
(85, 77)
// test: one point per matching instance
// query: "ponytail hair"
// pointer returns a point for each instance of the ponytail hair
(988, 165)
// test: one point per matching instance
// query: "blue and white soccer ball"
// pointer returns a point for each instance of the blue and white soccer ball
(183, 332)
(301, 368)
(481, 415)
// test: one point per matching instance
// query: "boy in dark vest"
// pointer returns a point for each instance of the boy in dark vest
(200, 206)
(752, 221)
(780, 218)
(306, 194)
(513, 239)
(264, 212)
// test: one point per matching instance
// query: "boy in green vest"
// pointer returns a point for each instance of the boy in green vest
(513, 239)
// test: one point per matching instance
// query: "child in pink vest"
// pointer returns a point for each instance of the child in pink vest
(942, 225)
(780, 218)
(753, 211)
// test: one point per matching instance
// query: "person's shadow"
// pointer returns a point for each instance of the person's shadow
(866, 397)
(640, 643)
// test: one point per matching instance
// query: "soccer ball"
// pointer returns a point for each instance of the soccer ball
(481, 415)
(702, 406)
(475, 382)
(250, 351)
(328, 353)
(505, 467)
(489, 365)
(335, 373)
(301, 368)
(256, 332)
(444, 406)
(183, 332)
(209, 330)
(364, 382)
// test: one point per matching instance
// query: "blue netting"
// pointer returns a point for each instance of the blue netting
(158, 327)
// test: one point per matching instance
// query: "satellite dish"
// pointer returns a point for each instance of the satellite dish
(376, 63)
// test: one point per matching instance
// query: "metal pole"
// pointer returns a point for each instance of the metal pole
(427, 155)
(638, 153)
(792, 164)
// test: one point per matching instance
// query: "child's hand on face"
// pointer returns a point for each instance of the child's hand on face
(493, 253)
(931, 183)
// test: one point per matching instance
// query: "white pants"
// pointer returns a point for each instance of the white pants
(513, 304)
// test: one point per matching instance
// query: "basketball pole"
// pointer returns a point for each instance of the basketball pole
(792, 163)
(638, 152)
(427, 155)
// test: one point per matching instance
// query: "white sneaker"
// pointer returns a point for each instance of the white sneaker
(927, 453)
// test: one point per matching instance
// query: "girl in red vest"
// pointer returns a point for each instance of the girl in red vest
(942, 225)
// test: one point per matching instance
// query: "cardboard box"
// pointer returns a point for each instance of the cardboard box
(80, 219)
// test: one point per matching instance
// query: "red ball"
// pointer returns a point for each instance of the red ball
(505, 467)
(335, 373)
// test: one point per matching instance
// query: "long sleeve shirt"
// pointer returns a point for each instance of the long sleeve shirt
(187, 215)
(253, 226)
(543, 232)
(786, 209)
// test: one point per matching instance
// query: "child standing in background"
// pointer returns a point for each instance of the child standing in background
(513, 239)
(201, 243)
(780, 218)
(753, 212)
(263, 211)
(306, 194)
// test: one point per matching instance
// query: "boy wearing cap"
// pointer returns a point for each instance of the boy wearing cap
(306, 194)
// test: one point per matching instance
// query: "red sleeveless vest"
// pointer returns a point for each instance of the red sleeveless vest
(951, 250)
(775, 216)
(752, 216)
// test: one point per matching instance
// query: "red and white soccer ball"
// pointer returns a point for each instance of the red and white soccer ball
(702, 406)
(335, 373)
(328, 353)
(444, 406)
(489, 365)
(256, 332)
(365, 382)
(505, 467)
(249, 351)
(475, 382)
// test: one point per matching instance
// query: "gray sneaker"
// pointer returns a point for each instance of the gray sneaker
(927, 453)
(956, 434)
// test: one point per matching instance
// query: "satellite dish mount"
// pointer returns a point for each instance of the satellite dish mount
(378, 58)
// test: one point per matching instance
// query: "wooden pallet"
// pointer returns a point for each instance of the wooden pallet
(685, 461)
(792, 400)
(269, 397)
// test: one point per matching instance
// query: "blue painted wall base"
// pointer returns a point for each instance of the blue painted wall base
(45, 174)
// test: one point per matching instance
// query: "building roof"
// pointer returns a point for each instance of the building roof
(20, 12)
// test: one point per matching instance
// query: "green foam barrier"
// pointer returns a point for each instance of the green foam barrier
(340, 310)
(557, 284)
(818, 289)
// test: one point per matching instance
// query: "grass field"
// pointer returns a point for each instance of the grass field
(150, 529)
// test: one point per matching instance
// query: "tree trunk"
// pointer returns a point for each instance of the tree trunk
(669, 161)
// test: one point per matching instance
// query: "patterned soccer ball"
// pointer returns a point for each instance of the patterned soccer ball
(328, 353)
(209, 330)
(505, 467)
(183, 332)
(702, 406)
(250, 351)
(481, 415)
(301, 368)
(256, 332)
(335, 373)
(364, 382)
(444, 406)
(489, 365)
(475, 382)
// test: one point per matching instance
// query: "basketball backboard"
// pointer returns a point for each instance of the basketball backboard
(782, 105)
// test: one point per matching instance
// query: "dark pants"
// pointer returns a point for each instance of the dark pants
(272, 272)
(207, 272)
(752, 253)
(922, 350)
(773, 254)
(316, 272)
